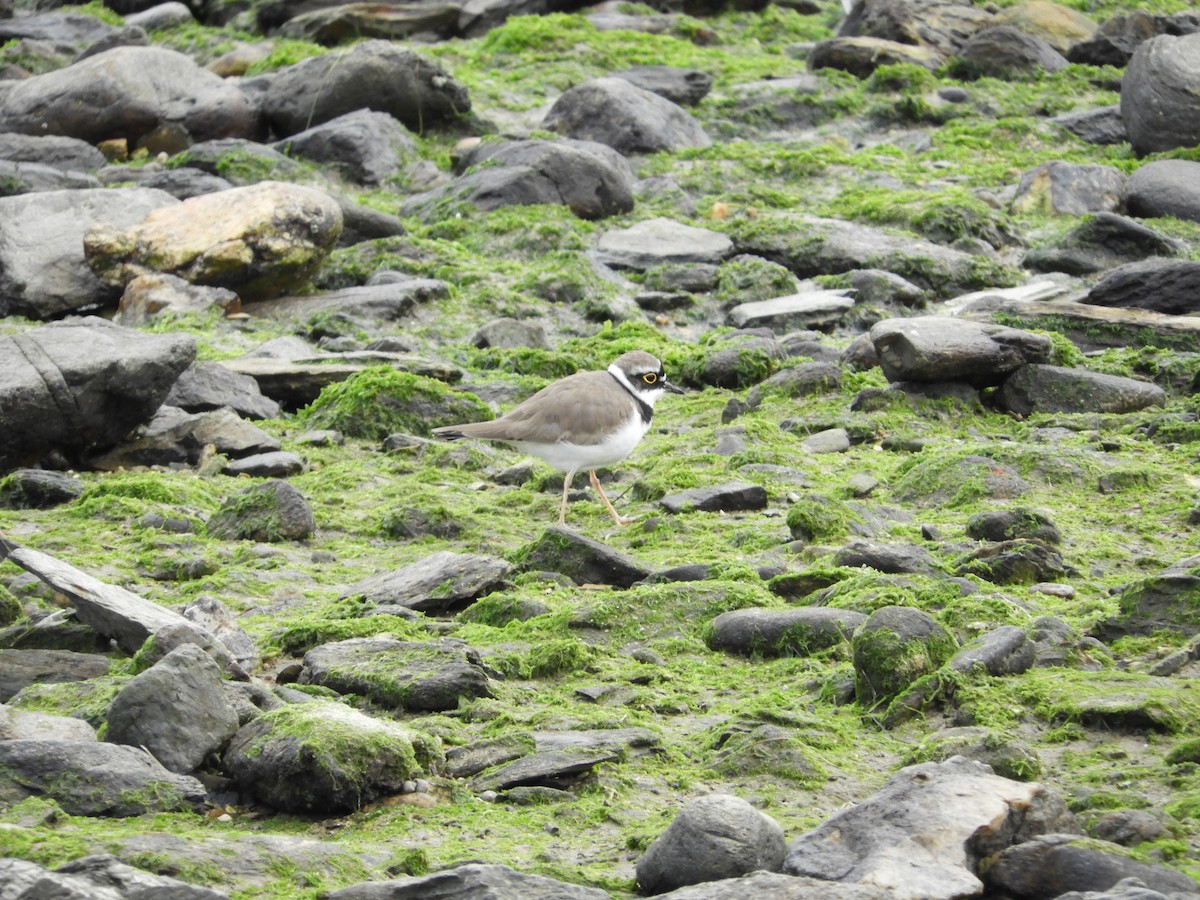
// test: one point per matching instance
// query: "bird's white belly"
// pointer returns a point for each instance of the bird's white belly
(565, 456)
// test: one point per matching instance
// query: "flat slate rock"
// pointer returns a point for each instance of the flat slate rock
(436, 584)
(473, 880)
(735, 496)
(548, 768)
(582, 559)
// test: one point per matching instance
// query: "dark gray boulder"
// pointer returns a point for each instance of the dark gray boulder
(1169, 286)
(98, 877)
(685, 87)
(92, 778)
(892, 649)
(271, 511)
(441, 582)
(173, 436)
(1051, 865)
(20, 668)
(941, 348)
(206, 386)
(401, 675)
(365, 146)
(712, 838)
(590, 179)
(1165, 187)
(1101, 241)
(1158, 97)
(129, 92)
(1007, 51)
(734, 496)
(1041, 388)
(29, 177)
(374, 74)
(176, 710)
(38, 489)
(1005, 650)
(795, 631)
(66, 153)
(43, 271)
(321, 757)
(1063, 188)
(582, 559)
(79, 385)
(627, 118)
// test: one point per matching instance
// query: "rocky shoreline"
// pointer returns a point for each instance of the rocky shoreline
(908, 607)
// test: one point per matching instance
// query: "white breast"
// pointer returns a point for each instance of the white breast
(565, 456)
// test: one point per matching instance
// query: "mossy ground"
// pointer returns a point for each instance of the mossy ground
(528, 263)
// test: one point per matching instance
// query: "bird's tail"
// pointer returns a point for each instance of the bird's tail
(448, 433)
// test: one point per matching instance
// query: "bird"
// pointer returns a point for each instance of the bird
(584, 421)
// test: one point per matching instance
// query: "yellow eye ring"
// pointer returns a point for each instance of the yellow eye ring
(650, 378)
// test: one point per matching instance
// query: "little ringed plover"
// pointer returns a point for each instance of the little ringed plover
(583, 421)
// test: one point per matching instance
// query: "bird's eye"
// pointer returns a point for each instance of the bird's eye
(650, 378)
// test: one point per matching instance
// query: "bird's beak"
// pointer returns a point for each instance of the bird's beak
(673, 388)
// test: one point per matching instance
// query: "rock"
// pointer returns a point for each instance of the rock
(38, 489)
(28, 178)
(1158, 102)
(893, 648)
(686, 87)
(181, 182)
(1165, 187)
(940, 25)
(1102, 126)
(364, 146)
(160, 17)
(65, 153)
(891, 558)
(92, 778)
(581, 559)
(1004, 650)
(345, 22)
(1021, 561)
(276, 464)
(325, 758)
(810, 309)
(781, 632)
(741, 359)
(21, 668)
(260, 241)
(174, 436)
(470, 880)
(715, 837)
(151, 294)
(1051, 865)
(386, 302)
(1041, 388)
(176, 710)
(661, 241)
(58, 27)
(830, 440)
(1102, 241)
(558, 768)
(939, 348)
(1165, 600)
(373, 74)
(271, 511)
(590, 179)
(511, 333)
(1004, 51)
(400, 675)
(43, 273)
(242, 162)
(128, 92)
(77, 385)
(1057, 24)
(861, 55)
(1007, 755)
(1127, 827)
(627, 118)
(440, 583)
(207, 386)
(735, 496)
(471, 759)
(810, 246)
(98, 877)
(1067, 189)
(921, 834)
(27, 725)
(1007, 524)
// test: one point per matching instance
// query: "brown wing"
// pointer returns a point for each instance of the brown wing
(561, 411)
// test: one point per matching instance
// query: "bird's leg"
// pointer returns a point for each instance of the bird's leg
(620, 520)
(562, 510)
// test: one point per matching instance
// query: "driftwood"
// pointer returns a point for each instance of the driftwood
(113, 611)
